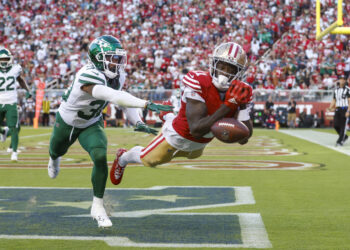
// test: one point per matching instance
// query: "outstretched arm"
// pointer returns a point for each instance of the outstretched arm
(122, 98)
(198, 119)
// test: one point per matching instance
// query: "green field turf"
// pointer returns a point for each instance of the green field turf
(300, 208)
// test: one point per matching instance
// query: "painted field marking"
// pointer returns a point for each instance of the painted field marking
(251, 227)
(321, 138)
(253, 233)
(243, 195)
(240, 165)
(32, 136)
(224, 165)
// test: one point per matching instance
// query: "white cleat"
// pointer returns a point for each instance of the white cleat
(14, 156)
(54, 167)
(98, 213)
(4, 135)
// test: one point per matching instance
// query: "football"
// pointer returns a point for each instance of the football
(229, 130)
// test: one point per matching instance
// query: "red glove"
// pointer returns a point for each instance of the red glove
(238, 93)
(163, 113)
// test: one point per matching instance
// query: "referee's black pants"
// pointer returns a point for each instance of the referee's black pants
(340, 123)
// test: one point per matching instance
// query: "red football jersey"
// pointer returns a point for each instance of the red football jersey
(201, 83)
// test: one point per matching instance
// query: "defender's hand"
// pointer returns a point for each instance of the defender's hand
(159, 107)
(141, 127)
(239, 93)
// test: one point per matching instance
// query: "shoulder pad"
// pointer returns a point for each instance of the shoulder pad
(191, 80)
(17, 68)
(90, 75)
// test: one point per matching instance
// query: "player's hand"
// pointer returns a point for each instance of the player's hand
(28, 95)
(347, 114)
(158, 107)
(238, 93)
(141, 127)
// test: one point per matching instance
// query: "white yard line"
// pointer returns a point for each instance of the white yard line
(31, 136)
(321, 138)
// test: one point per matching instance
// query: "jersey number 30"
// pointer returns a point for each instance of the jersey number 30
(99, 104)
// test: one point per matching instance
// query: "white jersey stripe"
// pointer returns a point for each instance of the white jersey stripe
(93, 77)
(83, 80)
(191, 80)
(196, 87)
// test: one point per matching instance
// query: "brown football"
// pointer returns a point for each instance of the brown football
(229, 130)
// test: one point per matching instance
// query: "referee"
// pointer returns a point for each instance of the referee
(341, 104)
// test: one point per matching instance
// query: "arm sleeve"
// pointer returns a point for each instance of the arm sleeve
(192, 94)
(191, 81)
(133, 115)
(120, 98)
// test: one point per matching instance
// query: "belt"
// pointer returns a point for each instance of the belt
(342, 107)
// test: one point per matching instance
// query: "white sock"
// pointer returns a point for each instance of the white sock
(97, 201)
(132, 156)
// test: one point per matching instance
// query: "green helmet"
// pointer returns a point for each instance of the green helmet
(5, 58)
(106, 51)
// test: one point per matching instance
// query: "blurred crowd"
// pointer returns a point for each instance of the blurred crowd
(165, 39)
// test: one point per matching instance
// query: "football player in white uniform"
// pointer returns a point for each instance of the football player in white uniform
(10, 74)
(80, 114)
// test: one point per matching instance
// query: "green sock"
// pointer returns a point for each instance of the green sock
(13, 132)
(99, 172)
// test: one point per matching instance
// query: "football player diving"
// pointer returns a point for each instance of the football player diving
(207, 97)
(80, 114)
(10, 74)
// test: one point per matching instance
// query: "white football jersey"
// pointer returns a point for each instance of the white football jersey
(78, 108)
(8, 84)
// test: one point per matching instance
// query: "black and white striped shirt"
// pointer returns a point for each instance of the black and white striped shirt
(341, 96)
